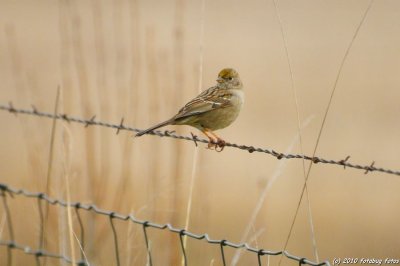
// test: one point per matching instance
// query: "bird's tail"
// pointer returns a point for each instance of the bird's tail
(168, 122)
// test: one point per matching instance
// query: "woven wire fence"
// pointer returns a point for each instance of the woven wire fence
(8, 192)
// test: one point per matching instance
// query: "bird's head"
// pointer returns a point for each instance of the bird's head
(229, 78)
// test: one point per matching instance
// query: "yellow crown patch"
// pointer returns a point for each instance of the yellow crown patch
(227, 73)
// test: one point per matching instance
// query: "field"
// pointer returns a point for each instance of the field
(321, 78)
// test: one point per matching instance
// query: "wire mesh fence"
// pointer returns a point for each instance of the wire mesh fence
(12, 243)
(38, 252)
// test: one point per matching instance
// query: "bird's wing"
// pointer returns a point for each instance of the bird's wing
(208, 100)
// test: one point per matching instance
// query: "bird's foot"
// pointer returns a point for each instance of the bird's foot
(215, 142)
(218, 145)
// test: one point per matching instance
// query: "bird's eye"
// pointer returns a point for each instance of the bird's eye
(230, 78)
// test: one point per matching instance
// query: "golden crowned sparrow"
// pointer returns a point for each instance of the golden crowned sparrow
(213, 109)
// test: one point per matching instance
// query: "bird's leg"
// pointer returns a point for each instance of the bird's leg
(215, 141)
(220, 143)
(212, 140)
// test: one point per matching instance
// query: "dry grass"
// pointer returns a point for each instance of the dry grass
(141, 60)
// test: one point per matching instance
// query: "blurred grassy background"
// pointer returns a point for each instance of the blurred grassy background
(140, 60)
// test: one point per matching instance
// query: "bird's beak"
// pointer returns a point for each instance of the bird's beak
(220, 80)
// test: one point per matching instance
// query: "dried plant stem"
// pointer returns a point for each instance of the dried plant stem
(196, 150)
(261, 200)
(69, 217)
(43, 240)
(325, 116)
(294, 90)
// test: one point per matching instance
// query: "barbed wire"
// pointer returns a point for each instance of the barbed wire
(12, 244)
(279, 155)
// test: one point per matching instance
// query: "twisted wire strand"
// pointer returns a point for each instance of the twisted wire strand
(38, 252)
(145, 223)
(93, 122)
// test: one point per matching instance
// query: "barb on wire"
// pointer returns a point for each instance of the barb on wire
(146, 224)
(121, 125)
(368, 168)
(90, 121)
